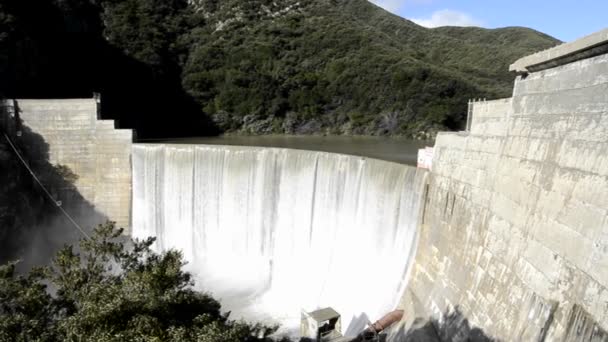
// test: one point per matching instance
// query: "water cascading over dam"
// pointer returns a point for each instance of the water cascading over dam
(274, 231)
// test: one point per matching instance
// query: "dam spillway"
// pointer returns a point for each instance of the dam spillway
(274, 231)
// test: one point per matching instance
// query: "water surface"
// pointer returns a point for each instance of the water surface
(397, 150)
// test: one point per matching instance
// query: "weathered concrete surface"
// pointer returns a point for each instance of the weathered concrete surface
(515, 230)
(586, 47)
(92, 150)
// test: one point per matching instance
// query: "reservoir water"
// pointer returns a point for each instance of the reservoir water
(397, 150)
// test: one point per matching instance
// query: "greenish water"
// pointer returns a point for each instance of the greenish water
(397, 150)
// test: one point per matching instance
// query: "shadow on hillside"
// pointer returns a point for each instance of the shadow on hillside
(156, 107)
(32, 227)
(59, 53)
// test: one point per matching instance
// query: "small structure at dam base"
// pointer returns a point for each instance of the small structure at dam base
(321, 325)
(324, 325)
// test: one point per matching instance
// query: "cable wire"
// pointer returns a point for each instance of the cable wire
(57, 203)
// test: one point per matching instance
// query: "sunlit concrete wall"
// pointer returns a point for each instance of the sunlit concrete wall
(96, 153)
(515, 230)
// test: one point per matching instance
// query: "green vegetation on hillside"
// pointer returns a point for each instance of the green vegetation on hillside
(343, 67)
(106, 291)
(262, 66)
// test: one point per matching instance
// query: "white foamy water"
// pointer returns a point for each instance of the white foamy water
(271, 232)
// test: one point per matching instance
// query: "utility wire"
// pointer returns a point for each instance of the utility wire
(57, 203)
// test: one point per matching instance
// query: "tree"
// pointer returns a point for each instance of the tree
(148, 30)
(113, 289)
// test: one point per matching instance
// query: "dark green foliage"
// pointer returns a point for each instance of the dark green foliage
(148, 30)
(25, 307)
(107, 292)
(263, 66)
(344, 67)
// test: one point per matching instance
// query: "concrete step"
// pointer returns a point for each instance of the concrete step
(64, 104)
(105, 125)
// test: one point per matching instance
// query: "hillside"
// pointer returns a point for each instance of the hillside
(261, 66)
(344, 67)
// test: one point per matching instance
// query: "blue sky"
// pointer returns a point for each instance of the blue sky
(566, 20)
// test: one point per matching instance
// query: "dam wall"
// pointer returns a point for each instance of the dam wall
(488, 117)
(510, 227)
(515, 232)
(91, 153)
(274, 231)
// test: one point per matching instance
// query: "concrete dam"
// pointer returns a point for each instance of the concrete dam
(509, 227)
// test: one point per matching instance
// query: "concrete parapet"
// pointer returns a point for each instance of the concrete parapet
(493, 108)
(582, 74)
(586, 47)
(54, 104)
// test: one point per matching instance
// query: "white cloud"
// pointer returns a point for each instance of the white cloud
(389, 5)
(395, 5)
(448, 17)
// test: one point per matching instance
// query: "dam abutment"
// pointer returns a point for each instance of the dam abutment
(91, 153)
(515, 230)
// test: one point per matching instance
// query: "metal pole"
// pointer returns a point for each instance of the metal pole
(469, 114)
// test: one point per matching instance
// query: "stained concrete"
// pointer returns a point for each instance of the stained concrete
(93, 152)
(515, 231)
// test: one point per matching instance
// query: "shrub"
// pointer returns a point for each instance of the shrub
(112, 289)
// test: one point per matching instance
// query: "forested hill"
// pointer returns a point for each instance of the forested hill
(178, 67)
